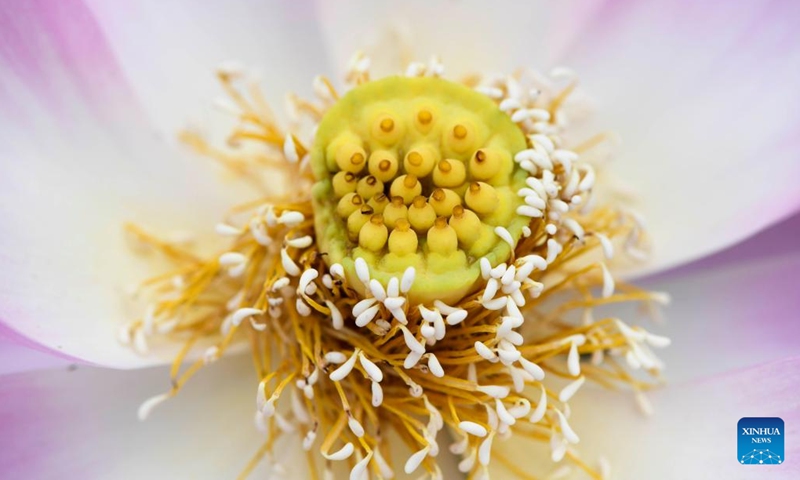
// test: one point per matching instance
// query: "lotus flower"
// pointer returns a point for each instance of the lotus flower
(94, 93)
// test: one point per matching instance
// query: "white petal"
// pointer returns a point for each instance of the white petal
(82, 417)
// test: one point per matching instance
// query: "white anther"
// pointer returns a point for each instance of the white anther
(434, 366)
(337, 270)
(377, 394)
(588, 179)
(498, 271)
(280, 283)
(399, 315)
(486, 268)
(485, 351)
(473, 428)
(657, 341)
(416, 459)
(257, 326)
(373, 371)
(367, 316)
(574, 360)
(521, 409)
(503, 414)
(505, 235)
(553, 250)
(608, 282)
(302, 307)
(377, 290)
(490, 291)
(456, 317)
(495, 304)
(568, 391)
(485, 450)
(355, 427)
(412, 343)
(362, 270)
(568, 432)
(408, 279)
(148, 405)
(300, 242)
(491, 92)
(544, 141)
(344, 370)
(306, 278)
(533, 370)
(508, 277)
(291, 218)
(335, 358)
(227, 230)
(288, 264)
(242, 313)
(341, 454)
(411, 360)
(290, 149)
(574, 227)
(429, 315)
(336, 316)
(308, 440)
(494, 391)
(541, 407)
(232, 259)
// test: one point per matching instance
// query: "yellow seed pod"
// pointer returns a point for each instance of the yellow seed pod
(349, 204)
(378, 203)
(460, 136)
(482, 198)
(350, 157)
(344, 183)
(443, 200)
(403, 240)
(449, 174)
(358, 219)
(442, 237)
(386, 129)
(383, 165)
(466, 224)
(486, 162)
(373, 234)
(420, 160)
(421, 215)
(395, 211)
(369, 186)
(406, 186)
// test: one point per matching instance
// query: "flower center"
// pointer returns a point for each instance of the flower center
(418, 172)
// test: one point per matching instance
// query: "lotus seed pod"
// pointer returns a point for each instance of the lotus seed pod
(369, 186)
(449, 174)
(373, 234)
(383, 165)
(421, 215)
(443, 200)
(403, 240)
(344, 183)
(482, 198)
(430, 153)
(395, 211)
(378, 203)
(442, 237)
(407, 187)
(349, 204)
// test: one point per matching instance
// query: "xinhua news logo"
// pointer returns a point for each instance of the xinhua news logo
(761, 441)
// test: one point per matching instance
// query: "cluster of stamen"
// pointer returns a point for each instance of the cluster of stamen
(404, 291)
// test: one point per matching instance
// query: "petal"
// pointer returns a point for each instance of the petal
(83, 424)
(695, 423)
(168, 50)
(79, 161)
(730, 317)
(19, 354)
(697, 91)
(692, 433)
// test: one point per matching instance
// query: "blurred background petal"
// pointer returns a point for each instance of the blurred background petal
(698, 91)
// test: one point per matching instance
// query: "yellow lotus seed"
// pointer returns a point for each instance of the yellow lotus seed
(373, 234)
(486, 163)
(420, 160)
(358, 219)
(403, 240)
(406, 186)
(349, 204)
(395, 211)
(383, 165)
(386, 130)
(351, 158)
(449, 174)
(442, 237)
(460, 137)
(378, 203)
(369, 186)
(443, 200)
(482, 198)
(466, 224)
(421, 214)
(344, 183)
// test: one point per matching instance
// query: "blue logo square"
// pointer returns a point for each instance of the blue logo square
(761, 441)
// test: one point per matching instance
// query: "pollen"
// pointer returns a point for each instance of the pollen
(461, 155)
